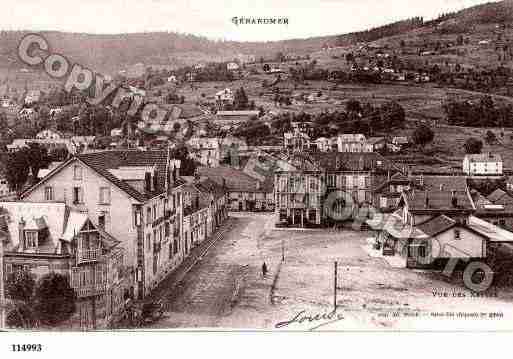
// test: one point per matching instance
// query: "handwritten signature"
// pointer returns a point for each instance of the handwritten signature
(301, 317)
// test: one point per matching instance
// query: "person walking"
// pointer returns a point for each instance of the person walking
(264, 270)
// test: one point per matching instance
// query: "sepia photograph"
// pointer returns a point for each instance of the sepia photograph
(335, 166)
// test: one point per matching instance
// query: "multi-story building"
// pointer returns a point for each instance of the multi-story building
(205, 150)
(42, 237)
(204, 209)
(325, 188)
(245, 193)
(433, 225)
(483, 164)
(296, 140)
(350, 142)
(134, 196)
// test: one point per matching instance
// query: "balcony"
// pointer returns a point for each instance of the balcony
(90, 290)
(88, 255)
(90, 280)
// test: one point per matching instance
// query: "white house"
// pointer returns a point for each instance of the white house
(49, 134)
(135, 196)
(232, 66)
(483, 164)
(353, 142)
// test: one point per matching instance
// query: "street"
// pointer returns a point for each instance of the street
(226, 288)
(227, 278)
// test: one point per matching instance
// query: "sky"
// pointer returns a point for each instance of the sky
(213, 18)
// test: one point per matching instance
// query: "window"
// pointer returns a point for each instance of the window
(175, 246)
(77, 172)
(30, 239)
(148, 215)
(148, 242)
(78, 195)
(457, 234)
(101, 220)
(167, 229)
(422, 251)
(104, 195)
(171, 250)
(49, 193)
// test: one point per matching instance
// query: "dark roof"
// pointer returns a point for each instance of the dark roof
(496, 195)
(235, 180)
(445, 183)
(438, 200)
(436, 225)
(105, 160)
(353, 161)
(210, 186)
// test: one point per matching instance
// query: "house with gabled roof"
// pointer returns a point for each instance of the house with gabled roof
(41, 237)
(483, 164)
(134, 196)
(246, 193)
(435, 223)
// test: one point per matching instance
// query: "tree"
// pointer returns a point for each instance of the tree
(240, 99)
(37, 158)
(473, 146)
(490, 137)
(393, 114)
(54, 299)
(17, 170)
(423, 135)
(459, 40)
(187, 164)
(21, 316)
(353, 106)
(20, 285)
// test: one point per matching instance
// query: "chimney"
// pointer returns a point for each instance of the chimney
(454, 199)
(147, 182)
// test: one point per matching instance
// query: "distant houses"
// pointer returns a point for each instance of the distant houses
(483, 164)
(246, 193)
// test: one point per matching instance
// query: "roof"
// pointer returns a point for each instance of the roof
(496, 195)
(374, 140)
(238, 113)
(436, 200)
(489, 230)
(111, 163)
(436, 225)
(352, 161)
(235, 180)
(400, 140)
(206, 185)
(436, 182)
(61, 222)
(484, 157)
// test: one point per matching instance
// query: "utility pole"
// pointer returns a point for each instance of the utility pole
(2, 293)
(335, 289)
(282, 250)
